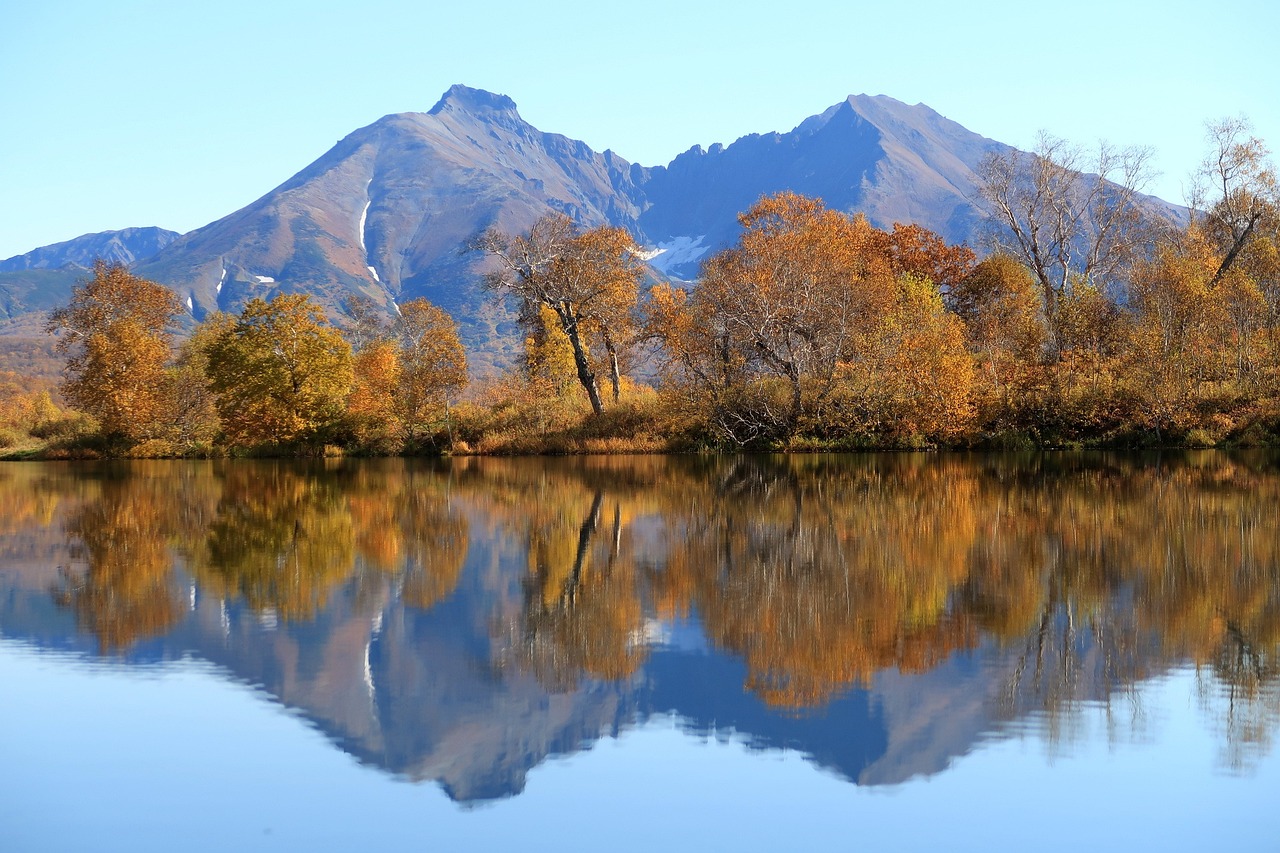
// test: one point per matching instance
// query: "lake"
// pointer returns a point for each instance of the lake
(897, 651)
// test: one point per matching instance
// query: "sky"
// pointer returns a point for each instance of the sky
(135, 113)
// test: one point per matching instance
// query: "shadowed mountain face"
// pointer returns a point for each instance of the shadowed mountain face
(388, 211)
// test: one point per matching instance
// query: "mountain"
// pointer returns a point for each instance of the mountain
(387, 212)
(128, 247)
(869, 155)
(42, 279)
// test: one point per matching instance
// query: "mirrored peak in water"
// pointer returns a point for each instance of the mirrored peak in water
(461, 620)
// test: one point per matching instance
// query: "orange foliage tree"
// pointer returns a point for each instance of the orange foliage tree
(803, 324)
(117, 329)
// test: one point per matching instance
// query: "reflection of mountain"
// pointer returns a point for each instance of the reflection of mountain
(444, 691)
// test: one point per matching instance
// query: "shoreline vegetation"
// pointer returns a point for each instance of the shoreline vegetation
(1091, 323)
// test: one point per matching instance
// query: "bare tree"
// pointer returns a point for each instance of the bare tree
(1068, 214)
(1235, 194)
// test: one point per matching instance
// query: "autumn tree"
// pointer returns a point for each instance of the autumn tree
(809, 321)
(117, 330)
(908, 374)
(433, 366)
(371, 404)
(280, 373)
(590, 279)
(785, 301)
(194, 420)
(1067, 215)
(1000, 306)
(1235, 195)
(404, 375)
(280, 540)
(915, 250)
(127, 590)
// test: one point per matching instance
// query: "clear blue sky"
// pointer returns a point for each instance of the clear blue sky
(175, 114)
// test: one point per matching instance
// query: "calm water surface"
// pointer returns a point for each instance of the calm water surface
(862, 652)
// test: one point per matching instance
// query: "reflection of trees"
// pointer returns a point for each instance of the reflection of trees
(1088, 573)
(126, 590)
(582, 611)
(581, 608)
(281, 540)
(436, 540)
(1100, 574)
(279, 536)
(820, 573)
(1080, 574)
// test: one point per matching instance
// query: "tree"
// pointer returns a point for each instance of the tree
(789, 296)
(118, 331)
(433, 366)
(405, 375)
(194, 419)
(281, 373)
(371, 406)
(1235, 196)
(1063, 224)
(1000, 306)
(808, 320)
(589, 279)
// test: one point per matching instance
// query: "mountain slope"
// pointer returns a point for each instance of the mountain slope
(870, 155)
(386, 213)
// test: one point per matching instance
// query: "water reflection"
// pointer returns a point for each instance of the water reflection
(461, 621)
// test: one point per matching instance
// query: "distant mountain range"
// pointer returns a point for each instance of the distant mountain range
(125, 247)
(385, 213)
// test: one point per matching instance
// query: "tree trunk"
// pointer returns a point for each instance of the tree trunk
(615, 375)
(585, 375)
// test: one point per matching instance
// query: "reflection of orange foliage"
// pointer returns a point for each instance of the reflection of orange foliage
(819, 571)
(126, 593)
(817, 586)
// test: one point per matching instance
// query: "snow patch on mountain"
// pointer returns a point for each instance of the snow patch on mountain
(364, 215)
(676, 252)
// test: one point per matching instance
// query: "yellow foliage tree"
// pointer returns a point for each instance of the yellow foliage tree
(281, 373)
(433, 367)
(1000, 306)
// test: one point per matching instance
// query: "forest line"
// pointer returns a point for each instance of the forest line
(1091, 322)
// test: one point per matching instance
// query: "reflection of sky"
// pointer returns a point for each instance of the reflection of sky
(223, 768)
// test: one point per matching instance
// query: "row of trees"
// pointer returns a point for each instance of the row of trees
(277, 375)
(1099, 316)
(1094, 319)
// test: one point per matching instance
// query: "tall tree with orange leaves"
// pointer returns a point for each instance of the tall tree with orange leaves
(117, 330)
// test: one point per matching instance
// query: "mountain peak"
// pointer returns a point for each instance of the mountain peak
(475, 101)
